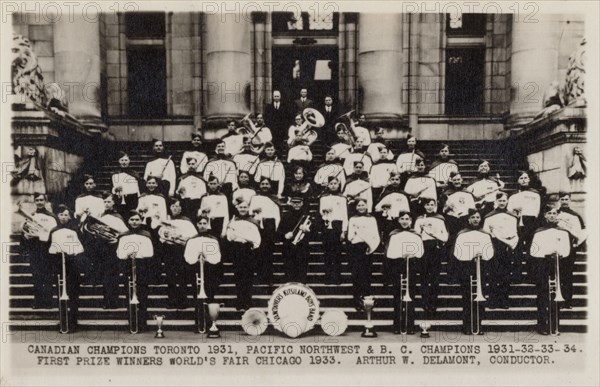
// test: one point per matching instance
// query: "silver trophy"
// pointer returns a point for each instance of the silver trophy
(213, 313)
(424, 327)
(369, 303)
(159, 322)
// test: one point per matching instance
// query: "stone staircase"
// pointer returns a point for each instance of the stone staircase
(520, 316)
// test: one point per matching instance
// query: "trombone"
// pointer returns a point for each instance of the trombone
(476, 297)
(404, 302)
(133, 298)
(201, 298)
(63, 297)
(553, 308)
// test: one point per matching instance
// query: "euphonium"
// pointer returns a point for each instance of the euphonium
(553, 308)
(476, 297)
(63, 298)
(31, 226)
(201, 298)
(98, 228)
(133, 299)
(168, 233)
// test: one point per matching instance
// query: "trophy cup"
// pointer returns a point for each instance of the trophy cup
(213, 313)
(369, 302)
(159, 322)
(424, 327)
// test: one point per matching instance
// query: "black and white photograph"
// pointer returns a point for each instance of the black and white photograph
(299, 193)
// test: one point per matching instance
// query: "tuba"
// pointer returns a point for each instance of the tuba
(476, 297)
(553, 307)
(348, 129)
(133, 299)
(201, 298)
(97, 228)
(63, 298)
(312, 119)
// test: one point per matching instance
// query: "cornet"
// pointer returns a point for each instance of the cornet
(133, 298)
(63, 297)
(476, 297)
(201, 298)
(553, 308)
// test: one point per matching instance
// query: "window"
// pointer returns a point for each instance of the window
(305, 21)
(145, 25)
(465, 24)
(464, 81)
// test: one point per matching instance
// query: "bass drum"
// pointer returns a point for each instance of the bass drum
(334, 322)
(293, 309)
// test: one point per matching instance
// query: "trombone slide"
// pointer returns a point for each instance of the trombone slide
(476, 297)
(63, 298)
(553, 307)
(201, 321)
(133, 299)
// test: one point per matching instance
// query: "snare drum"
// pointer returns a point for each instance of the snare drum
(293, 309)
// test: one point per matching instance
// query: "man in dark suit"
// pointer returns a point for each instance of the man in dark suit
(330, 113)
(278, 118)
(303, 102)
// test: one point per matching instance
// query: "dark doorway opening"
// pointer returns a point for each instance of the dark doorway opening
(464, 81)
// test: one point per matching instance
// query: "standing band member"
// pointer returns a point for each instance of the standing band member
(196, 153)
(247, 159)
(406, 163)
(190, 188)
(404, 248)
(331, 167)
(390, 203)
(89, 202)
(376, 145)
(126, 185)
(300, 186)
(420, 187)
(233, 141)
(152, 205)
(525, 204)
(295, 228)
(484, 189)
(442, 167)
(381, 171)
(456, 203)
(244, 239)
(363, 239)
(271, 168)
(333, 208)
(359, 153)
(223, 169)
(215, 206)
(162, 168)
(245, 190)
(358, 187)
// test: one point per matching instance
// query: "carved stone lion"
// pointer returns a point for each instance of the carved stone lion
(574, 91)
(27, 76)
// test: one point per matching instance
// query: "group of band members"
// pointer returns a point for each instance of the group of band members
(237, 204)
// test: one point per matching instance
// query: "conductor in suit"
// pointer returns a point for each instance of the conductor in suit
(303, 102)
(277, 118)
(330, 113)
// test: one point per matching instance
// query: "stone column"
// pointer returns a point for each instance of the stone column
(534, 65)
(77, 67)
(228, 68)
(380, 66)
(260, 53)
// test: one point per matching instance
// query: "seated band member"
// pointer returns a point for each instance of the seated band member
(247, 159)
(152, 205)
(472, 249)
(333, 208)
(223, 168)
(381, 171)
(34, 245)
(404, 248)
(484, 189)
(89, 202)
(572, 222)
(232, 140)
(363, 238)
(390, 203)
(549, 245)
(173, 235)
(65, 244)
(359, 153)
(106, 251)
(406, 163)
(265, 209)
(190, 188)
(420, 187)
(331, 167)
(359, 187)
(502, 226)
(162, 168)
(375, 146)
(196, 152)
(136, 248)
(205, 247)
(243, 236)
(126, 185)
(215, 206)
(456, 203)
(271, 168)
(442, 167)
(300, 186)
(245, 189)
(432, 228)
(296, 228)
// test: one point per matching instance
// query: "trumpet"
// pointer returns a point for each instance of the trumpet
(476, 297)
(553, 308)
(133, 298)
(98, 228)
(405, 292)
(63, 298)
(201, 298)
(304, 222)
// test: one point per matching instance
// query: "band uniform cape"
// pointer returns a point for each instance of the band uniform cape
(176, 230)
(299, 153)
(262, 135)
(127, 180)
(91, 202)
(334, 207)
(215, 206)
(363, 133)
(396, 201)
(274, 170)
(525, 203)
(472, 243)
(381, 172)
(503, 226)
(243, 230)
(549, 240)
(46, 220)
(157, 166)
(404, 243)
(294, 131)
(234, 143)
(154, 207)
(200, 157)
(407, 161)
(223, 168)
(373, 150)
(137, 242)
(363, 228)
(205, 245)
(571, 221)
(485, 189)
(458, 203)
(360, 189)
(264, 207)
(441, 169)
(242, 195)
(421, 186)
(246, 161)
(357, 156)
(432, 227)
(113, 220)
(333, 169)
(341, 150)
(191, 186)
(65, 240)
